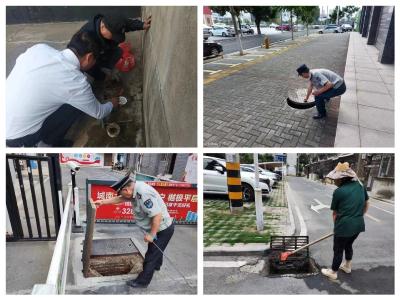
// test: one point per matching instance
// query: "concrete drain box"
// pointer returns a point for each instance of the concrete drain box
(108, 257)
(298, 264)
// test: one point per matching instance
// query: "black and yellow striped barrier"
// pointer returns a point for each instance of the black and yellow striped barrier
(234, 184)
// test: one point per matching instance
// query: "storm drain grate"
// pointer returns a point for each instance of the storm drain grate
(299, 263)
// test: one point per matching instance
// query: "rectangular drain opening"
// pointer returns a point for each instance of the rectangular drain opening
(299, 263)
(108, 257)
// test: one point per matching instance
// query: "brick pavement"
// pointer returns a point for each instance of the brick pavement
(248, 108)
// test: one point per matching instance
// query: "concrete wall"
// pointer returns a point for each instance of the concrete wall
(170, 77)
(383, 188)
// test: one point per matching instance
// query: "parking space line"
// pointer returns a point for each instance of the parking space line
(211, 72)
(223, 64)
(239, 58)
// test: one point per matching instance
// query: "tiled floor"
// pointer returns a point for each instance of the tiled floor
(366, 113)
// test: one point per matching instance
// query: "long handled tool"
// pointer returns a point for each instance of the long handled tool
(172, 264)
(285, 255)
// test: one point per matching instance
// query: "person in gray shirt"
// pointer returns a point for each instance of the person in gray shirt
(324, 85)
(152, 216)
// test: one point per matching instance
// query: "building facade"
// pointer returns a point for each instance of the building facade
(377, 25)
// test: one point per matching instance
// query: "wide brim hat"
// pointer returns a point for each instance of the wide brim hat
(342, 170)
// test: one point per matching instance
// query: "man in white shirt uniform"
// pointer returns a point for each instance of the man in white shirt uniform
(47, 91)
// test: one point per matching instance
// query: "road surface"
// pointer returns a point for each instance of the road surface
(230, 44)
(373, 262)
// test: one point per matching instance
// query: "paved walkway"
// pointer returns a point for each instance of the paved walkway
(245, 101)
(366, 114)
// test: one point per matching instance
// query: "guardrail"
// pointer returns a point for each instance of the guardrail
(56, 278)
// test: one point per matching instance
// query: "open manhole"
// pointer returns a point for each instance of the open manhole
(108, 257)
(299, 264)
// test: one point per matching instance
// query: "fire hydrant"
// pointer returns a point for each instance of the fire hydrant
(266, 43)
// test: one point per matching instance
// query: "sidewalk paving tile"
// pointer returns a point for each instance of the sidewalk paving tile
(375, 138)
(372, 90)
(376, 118)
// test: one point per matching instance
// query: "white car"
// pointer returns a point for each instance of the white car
(215, 181)
(222, 31)
(346, 27)
(333, 28)
(268, 174)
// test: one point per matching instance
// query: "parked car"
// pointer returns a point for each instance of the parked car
(212, 49)
(331, 28)
(284, 27)
(206, 32)
(346, 27)
(222, 31)
(246, 29)
(215, 181)
(273, 25)
(271, 175)
(262, 177)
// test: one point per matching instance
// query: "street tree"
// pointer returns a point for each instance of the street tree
(350, 10)
(262, 13)
(308, 14)
(293, 11)
(336, 14)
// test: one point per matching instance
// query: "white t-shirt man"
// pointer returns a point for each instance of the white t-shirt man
(42, 80)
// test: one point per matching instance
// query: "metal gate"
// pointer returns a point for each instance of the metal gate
(34, 205)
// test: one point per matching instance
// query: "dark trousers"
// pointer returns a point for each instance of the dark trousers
(320, 99)
(154, 258)
(53, 128)
(107, 60)
(340, 245)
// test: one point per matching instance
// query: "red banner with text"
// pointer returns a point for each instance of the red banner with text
(180, 199)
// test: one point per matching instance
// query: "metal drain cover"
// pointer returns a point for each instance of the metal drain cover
(119, 246)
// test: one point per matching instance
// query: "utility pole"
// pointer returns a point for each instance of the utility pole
(337, 15)
(234, 182)
(258, 197)
(237, 31)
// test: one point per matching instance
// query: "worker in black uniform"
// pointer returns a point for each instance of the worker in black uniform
(110, 32)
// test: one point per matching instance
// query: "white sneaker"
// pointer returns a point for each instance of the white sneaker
(329, 273)
(345, 268)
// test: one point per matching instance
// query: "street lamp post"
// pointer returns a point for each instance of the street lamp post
(258, 197)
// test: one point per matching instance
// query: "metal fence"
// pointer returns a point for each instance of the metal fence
(33, 204)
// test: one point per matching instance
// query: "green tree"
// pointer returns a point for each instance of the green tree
(334, 15)
(262, 13)
(308, 14)
(350, 10)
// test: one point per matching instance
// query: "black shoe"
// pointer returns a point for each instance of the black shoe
(157, 268)
(316, 117)
(136, 285)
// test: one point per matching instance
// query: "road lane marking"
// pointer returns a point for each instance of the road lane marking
(303, 226)
(389, 212)
(224, 64)
(320, 205)
(373, 218)
(224, 264)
